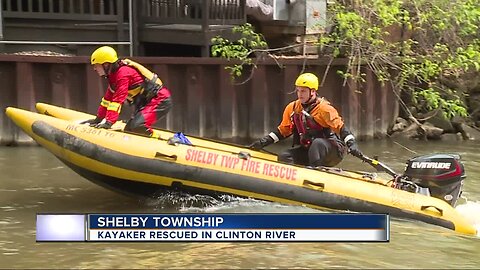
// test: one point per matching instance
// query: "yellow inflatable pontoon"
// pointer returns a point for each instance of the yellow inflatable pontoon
(139, 165)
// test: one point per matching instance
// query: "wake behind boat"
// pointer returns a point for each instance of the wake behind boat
(106, 157)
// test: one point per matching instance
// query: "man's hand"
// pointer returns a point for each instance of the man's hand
(92, 122)
(353, 148)
(260, 144)
(106, 125)
(256, 145)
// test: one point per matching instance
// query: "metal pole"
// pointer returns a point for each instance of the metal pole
(1, 20)
(130, 26)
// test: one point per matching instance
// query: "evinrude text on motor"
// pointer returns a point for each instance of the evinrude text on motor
(442, 174)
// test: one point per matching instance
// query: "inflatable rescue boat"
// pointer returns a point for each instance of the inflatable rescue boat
(138, 165)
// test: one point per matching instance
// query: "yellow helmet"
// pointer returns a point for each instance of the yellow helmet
(309, 80)
(104, 54)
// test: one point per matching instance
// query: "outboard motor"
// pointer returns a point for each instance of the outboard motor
(442, 174)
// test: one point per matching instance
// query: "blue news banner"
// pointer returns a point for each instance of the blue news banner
(214, 227)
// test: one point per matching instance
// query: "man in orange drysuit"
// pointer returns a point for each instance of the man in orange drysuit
(316, 126)
(128, 80)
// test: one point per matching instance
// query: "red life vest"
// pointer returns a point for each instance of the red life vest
(148, 87)
(306, 127)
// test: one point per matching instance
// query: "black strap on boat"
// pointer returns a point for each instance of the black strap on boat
(314, 185)
(165, 156)
(425, 207)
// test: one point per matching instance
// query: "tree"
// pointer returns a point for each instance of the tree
(438, 44)
(424, 48)
(241, 49)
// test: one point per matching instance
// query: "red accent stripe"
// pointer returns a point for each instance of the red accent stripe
(457, 172)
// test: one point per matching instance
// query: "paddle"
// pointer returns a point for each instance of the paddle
(379, 166)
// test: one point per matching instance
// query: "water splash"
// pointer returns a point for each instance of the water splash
(229, 203)
(471, 211)
(221, 203)
(179, 200)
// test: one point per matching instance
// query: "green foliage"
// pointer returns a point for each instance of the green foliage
(432, 100)
(239, 50)
(414, 45)
(408, 43)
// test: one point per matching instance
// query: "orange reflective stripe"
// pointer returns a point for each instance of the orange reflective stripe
(104, 103)
(114, 106)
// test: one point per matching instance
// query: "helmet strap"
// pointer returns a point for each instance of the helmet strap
(106, 69)
(310, 99)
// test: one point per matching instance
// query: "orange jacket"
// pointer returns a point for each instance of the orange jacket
(323, 113)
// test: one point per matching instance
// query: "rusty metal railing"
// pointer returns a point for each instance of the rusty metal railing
(221, 12)
(80, 10)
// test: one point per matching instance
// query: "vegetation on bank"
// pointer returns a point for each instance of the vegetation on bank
(427, 50)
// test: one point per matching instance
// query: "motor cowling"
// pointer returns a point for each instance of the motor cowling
(442, 174)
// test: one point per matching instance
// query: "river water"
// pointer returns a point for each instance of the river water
(33, 181)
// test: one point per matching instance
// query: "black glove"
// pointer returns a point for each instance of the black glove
(265, 141)
(92, 122)
(353, 148)
(106, 125)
